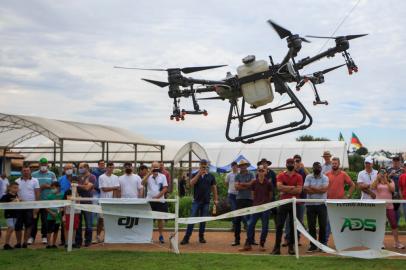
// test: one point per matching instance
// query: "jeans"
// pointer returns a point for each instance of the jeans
(314, 213)
(241, 203)
(284, 211)
(300, 209)
(199, 209)
(42, 214)
(264, 216)
(88, 217)
(328, 231)
(232, 200)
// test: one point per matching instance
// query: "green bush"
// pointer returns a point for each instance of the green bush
(185, 206)
(357, 193)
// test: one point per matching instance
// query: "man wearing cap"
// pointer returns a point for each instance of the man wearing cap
(271, 176)
(243, 181)
(157, 186)
(203, 184)
(262, 194)
(315, 186)
(232, 192)
(45, 179)
(394, 173)
(289, 184)
(326, 167)
(365, 179)
(300, 207)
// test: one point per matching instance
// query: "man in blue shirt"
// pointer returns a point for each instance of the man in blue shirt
(45, 178)
(316, 185)
(243, 182)
(203, 184)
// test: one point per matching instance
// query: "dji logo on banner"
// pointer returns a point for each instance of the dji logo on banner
(128, 222)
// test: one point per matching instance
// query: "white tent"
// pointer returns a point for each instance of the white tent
(221, 154)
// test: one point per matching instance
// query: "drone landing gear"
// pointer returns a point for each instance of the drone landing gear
(352, 67)
(237, 113)
(317, 100)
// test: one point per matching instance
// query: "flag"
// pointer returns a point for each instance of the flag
(355, 142)
(341, 137)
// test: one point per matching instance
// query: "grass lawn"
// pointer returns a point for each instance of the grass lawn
(96, 259)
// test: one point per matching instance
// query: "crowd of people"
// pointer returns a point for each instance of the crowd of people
(84, 183)
(245, 189)
(325, 181)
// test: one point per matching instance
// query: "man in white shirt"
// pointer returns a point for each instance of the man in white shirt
(130, 183)
(157, 186)
(109, 188)
(4, 183)
(365, 179)
(232, 192)
(28, 190)
(109, 184)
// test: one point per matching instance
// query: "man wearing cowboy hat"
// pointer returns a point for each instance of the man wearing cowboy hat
(271, 176)
(326, 167)
(243, 182)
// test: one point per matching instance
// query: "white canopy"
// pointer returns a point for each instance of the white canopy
(221, 154)
(15, 129)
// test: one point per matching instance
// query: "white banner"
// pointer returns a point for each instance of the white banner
(357, 223)
(126, 229)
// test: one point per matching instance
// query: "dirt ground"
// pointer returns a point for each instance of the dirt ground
(217, 242)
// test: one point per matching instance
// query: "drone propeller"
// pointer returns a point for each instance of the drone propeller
(283, 32)
(158, 83)
(349, 37)
(184, 70)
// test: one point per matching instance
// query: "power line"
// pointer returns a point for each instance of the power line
(340, 24)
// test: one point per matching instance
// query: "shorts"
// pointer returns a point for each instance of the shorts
(11, 222)
(24, 219)
(52, 226)
(76, 219)
(391, 215)
(159, 207)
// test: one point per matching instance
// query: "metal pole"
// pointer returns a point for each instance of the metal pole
(3, 162)
(107, 152)
(190, 165)
(135, 156)
(71, 217)
(61, 156)
(162, 153)
(176, 249)
(295, 228)
(54, 159)
(103, 149)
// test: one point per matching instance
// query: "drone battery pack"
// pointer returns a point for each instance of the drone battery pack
(256, 93)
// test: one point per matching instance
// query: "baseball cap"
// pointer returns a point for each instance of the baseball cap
(368, 160)
(204, 161)
(43, 161)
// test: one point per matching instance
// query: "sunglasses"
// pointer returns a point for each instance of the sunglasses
(298, 160)
(261, 170)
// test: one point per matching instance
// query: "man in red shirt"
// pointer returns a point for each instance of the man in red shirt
(167, 174)
(338, 179)
(290, 184)
(402, 187)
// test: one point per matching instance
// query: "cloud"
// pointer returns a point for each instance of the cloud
(56, 59)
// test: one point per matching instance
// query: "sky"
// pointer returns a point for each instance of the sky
(57, 58)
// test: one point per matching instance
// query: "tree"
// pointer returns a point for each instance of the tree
(356, 162)
(362, 151)
(310, 138)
